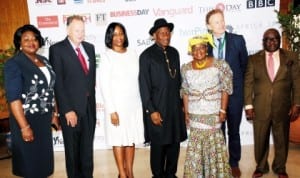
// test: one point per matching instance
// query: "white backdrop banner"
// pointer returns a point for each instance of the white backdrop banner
(247, 17)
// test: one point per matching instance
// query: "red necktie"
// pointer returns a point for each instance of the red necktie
(271, 66)
(82, 61)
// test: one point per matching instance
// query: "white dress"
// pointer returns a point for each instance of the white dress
(118, 77)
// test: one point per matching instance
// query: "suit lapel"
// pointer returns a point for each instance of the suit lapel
(262, 64)
(230, 46)
(281, 68)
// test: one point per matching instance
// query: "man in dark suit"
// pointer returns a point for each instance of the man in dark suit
(73, 61)
(272, 99)
(232, 48)
(160, 92)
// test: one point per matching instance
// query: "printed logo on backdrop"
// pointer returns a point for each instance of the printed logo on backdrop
(252, 4)
(47, 21)
(224, 7)
(78, 1)
(95, 1)
(173, 11)
(61, 2)
(192, 31)
(144, 42)
(86, 18)
(48, 42)
(43, 2)
(101, 19)
(125, 13)
(130, 0)
(58, 141)
(249, 26)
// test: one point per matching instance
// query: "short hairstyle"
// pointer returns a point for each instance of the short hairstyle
(25, 28)
(74, 17)
(212, 12)
(110, 34)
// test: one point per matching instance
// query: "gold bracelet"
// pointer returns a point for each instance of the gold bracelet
(25, 128)
(223, 111)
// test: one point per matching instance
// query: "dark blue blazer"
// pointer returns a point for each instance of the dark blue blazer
(236, 55)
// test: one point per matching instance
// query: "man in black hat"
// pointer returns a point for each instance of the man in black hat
(163, 115)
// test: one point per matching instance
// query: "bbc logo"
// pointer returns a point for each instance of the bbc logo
(260, 3)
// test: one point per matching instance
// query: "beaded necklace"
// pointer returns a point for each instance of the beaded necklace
(199, 65)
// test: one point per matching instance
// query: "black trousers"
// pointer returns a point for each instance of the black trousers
(78, 143)
(164, 160)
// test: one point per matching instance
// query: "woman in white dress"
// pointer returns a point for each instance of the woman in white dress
(118, 74)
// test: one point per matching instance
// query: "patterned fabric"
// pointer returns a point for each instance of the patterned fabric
(206, 152)
(36, 100)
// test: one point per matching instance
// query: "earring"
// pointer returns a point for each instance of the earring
(20, 48)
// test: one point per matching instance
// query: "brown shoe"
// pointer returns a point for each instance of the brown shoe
(257, 173)
(236, 172)
(283, 175)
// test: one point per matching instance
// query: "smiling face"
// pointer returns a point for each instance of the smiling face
(76, 31)
(29, 43)
(162, 36)
(271, 40)
(199, 51)
(216, 24)
(118, 38)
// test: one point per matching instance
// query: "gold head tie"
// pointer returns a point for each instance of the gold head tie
(201, 39)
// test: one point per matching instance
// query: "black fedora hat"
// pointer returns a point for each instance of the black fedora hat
(160, 23)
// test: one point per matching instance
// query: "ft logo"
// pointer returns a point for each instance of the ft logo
(260, 3)
(101, 19)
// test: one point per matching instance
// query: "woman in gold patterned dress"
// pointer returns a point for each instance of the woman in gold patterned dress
(206, 86)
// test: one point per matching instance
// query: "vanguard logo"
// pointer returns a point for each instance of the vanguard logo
(173, 12)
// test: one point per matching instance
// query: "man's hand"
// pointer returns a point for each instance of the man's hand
(156, 118)
(294, 112)
(71, 118)
(250, 114)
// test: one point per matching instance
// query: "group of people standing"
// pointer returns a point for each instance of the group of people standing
(150, 99)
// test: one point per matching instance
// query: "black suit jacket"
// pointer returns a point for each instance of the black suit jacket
(73, 89)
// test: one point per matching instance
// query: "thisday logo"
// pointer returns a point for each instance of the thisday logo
(47, 21)
(223, 7)
(251, 4)
(228, 7)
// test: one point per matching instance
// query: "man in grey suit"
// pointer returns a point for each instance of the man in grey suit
(272, 100)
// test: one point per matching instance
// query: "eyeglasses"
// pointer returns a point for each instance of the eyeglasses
(267, 39)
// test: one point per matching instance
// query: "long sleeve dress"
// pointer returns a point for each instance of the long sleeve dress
(118, 75)
(28, 83)
(206, 152)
